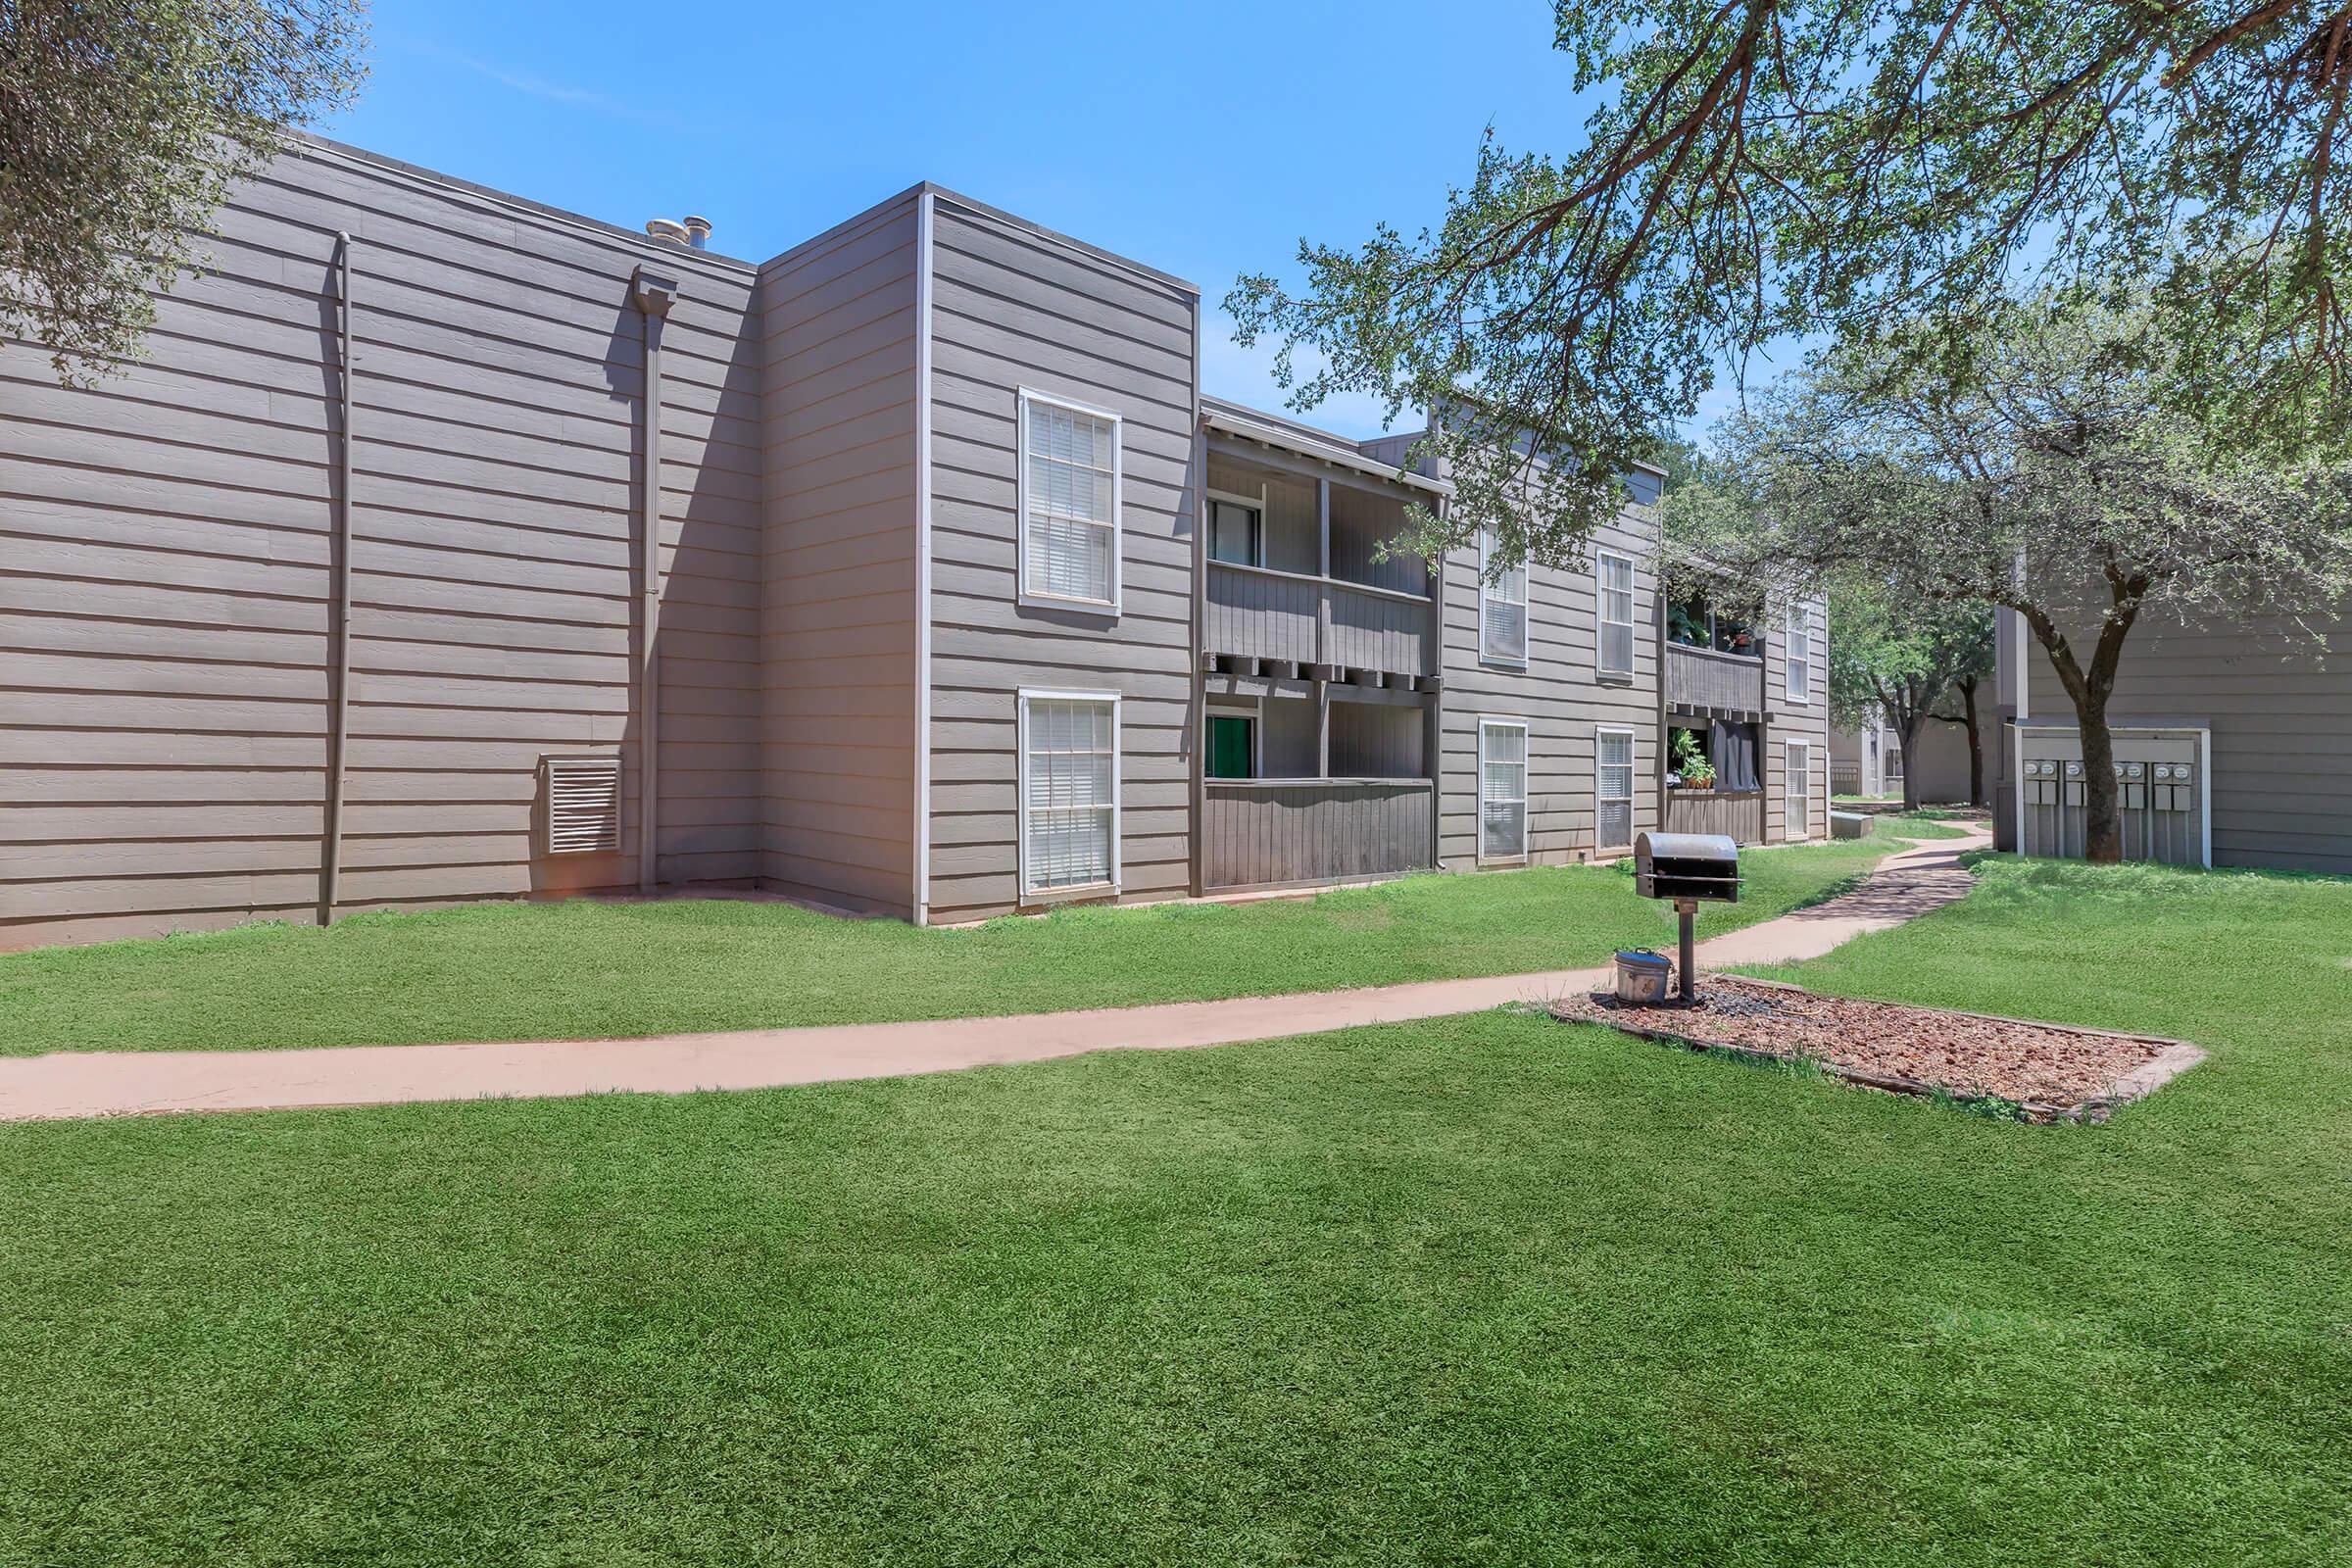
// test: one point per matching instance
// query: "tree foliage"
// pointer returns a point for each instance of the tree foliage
(1894, 655)
(1762, 168)
(122, 125)
(2048, 479)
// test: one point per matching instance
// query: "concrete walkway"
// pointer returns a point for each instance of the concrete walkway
(77, 1083)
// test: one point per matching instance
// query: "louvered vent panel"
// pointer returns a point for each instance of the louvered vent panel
(583, 805)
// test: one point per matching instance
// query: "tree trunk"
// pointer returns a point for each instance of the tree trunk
(2102, 826)
(1913, 722)
(1975, 744)
(2088, 689)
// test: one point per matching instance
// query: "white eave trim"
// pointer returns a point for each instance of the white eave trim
(1268, 435)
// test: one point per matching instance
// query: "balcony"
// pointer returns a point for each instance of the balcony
(1702, 681)
(1293, 618)
(1738, 813)
(1298, 832)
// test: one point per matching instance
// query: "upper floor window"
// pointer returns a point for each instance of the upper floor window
(1237, 530)
(1502, 608)
(1696, 623)
(1069, 503)
(1613, 578)
(1800, 653)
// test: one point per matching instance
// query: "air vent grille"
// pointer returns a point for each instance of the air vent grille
(583, 805)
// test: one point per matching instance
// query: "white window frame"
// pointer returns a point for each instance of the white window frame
(1632, 792)
(1486, 550)
(1804, 790)
(1020, 824)
(1253, 709)
(1256, 504)
(1797, 659)
(1107, 607)
(1527, 832)
(1600, 615)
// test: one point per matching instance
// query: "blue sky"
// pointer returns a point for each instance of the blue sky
(1205, 140)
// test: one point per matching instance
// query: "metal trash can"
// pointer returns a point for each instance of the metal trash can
(1642, 976)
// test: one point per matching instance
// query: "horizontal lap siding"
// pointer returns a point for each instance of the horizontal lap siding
(2279, 706)
(1015, 309)
(1559, 695)
(163, 619)
(838, 716)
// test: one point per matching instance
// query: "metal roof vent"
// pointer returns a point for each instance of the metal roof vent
(698, 232)
(583, 805)
(666, 230)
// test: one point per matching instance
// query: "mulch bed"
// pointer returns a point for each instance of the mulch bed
(2044, 1072)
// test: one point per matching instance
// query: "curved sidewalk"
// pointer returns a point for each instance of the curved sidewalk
(79, 1084)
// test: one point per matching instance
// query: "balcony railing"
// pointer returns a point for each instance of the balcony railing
(1740, 814)
(1701, 681)
(1257, 613)
(1259, 833)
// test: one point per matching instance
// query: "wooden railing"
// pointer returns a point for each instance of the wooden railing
(1701, 679)
(1736, 812)
(1257, 613)
(1297, 832)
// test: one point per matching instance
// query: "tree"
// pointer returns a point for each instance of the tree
(123, 124)
(2046, 480)
(1757, 169)
(1896, 655)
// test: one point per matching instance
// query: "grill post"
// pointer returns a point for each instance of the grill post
(1686, 912)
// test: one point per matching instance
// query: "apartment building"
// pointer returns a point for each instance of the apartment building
(445, 546)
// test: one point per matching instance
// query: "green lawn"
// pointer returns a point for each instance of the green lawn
(1927, 822)
(1486, 1290)
(520, 971)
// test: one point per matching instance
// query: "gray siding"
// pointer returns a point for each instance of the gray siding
(163, 619)
(1559, 695)
(2280, 712)
(838, 705)
(1014, 308)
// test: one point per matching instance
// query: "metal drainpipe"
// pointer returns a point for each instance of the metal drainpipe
(653, 296)
(338, 722)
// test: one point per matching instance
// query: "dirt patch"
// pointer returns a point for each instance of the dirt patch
(2045, 1072)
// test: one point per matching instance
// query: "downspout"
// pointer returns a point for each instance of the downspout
(653, 296)
(338, 717)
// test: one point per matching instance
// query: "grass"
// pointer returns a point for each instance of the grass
(1488, 1290)
(520, 971)
(1927, 822)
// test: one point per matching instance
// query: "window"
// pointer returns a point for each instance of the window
(1237, 531)
(1613, 577)
(1612, 789)
(1069, 782)
(1502, 608)
(1800, 654)
(1502, 789)
(1696, 623)
(1069, 501)
(1796, 791)
(1233, 745)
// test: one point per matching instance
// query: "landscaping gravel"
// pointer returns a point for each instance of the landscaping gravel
(2047, 1069)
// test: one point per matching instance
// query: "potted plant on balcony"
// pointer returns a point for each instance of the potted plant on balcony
(1691, 762)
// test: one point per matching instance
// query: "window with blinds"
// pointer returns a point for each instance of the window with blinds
(1613, 789)
(1502, 789)
(1502, 608)
(1796, 793)
(1613, 577)
(583, 805)
(1800, 654)
(1069, 790)
(1070, 504)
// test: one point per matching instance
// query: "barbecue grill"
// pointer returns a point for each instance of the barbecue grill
(1688, 868)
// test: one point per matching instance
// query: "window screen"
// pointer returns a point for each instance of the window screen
(1615, 576)
(1070, 498)
(1069, 803)
(1502, 608)
(1613, 790)
(1502, 791)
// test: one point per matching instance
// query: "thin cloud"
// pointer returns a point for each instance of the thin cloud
(536, 86)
